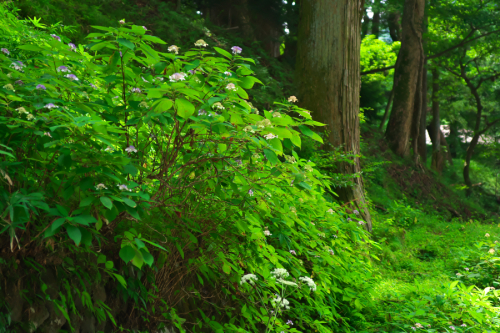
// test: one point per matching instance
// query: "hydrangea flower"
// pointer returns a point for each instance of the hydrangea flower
(131, 149)
(270, 136)
(236, 49)
(458, 274)
(361, 222)
(279, 302)
(466, 268)
(9, 87)
(41, 86)
(463, 325)
(248, 129)
(202, 112)
(109, 149)
(101, 187)
(63, 69)
(200, 43)
(19, 82)
(293, 252)
(50, 106)
(228, 73)
(289, 322)
(72, 46)
(55, 37)
(267, 232)
(309, 282)
(47, 134)
(174, 49)
(293, 99)
(330, 211)
(4, 50)
(250, 193)
(22, 110)
(145, 28)
(231, 86)
(93, 86)
(121, 21)
(356, 212)
(276, 115)
(72, 77)
(30, 116)
(218, 105)
(248, 278)
(491, 251)
(135, 90)
(452, 328)
(177, 77)
(487, 235)
(17, 65)
(418, 325)
(124, 188)
(331, 252)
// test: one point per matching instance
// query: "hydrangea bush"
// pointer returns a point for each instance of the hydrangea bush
(114, 147)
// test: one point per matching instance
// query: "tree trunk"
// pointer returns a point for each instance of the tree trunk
(387, 108)
(394, 26)
(422, 144)
(437, 156)
(328, 73)
(406, 74)
(376, 18)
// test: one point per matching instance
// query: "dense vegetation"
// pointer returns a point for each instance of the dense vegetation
(163, 171)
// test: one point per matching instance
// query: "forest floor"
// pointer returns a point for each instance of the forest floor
(430, 235)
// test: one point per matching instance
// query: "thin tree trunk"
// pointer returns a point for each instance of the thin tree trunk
(328, 73)
(422, 144)
(417, 113)
(387, 108)
(376, 19)
(394, 26)
(406, 76)
(437, 156)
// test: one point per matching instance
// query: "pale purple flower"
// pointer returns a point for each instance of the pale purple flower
(177, 77)
(41, 86)
(47, 134)
(236, 49)
(55, 37)
(72, 46)
(239, 162)
(136, 90)
(93, 86)
(356, 212)
(4, 50)
(101, 187)
(19, 82)
(349, 219)
(121, 21)
(289, 322)
(228, 73)
(466, 268)
(293, 252)
(335, 236)
(202, 112)
(50, 106)
(145, 28)
(250, 193)
(124, 188)
(331, 252)
(63, 69)
(131, 149)
(414, 328)
(121, 54)
(452, 327)
(191, 71)
(72, 77)
(463, 325)
(361, 222)
(17, 65)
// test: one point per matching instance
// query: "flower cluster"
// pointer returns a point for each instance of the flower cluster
(174, 49)
(279, 302)
(231, 86)
(72, 77)
(101, 187)
(280, 273)
(63, 69)
(200, 43)
(293, 99)
(236, 49)
(270, 136)
(218, 106)
(309, 282)
(177, 77)
(131, 149)
(248, 278)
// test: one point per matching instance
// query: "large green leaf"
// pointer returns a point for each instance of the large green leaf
(271, 156)
(106, 202)
(74, 233)
(184, 108)
(126, 43)
(127, 253)
(307, 131)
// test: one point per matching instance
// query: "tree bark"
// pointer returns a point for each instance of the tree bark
(406, 75)
(376, 18)
(387, 108)
(394, 26)
(422, 144)
(328, 74)
(437, 156)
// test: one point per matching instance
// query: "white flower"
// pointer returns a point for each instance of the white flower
(50, 106)
(131, 149)
(293, 210)
(292, 99)
(30, 116)
(231, 86)
(330, 211)
(22, 110)
(47, 134)
(109, 149)
(9, 87)
(123, 188)
(101, 187)
(270, 136)
(173, 49)
(143, 79)
(279, 302)
(286, 283)
(63, 69)
(248, 278)
(248, 129)
(143, 104)
(121, 21)
(458, 274)
(267, 232)
(310, 283)
(487, 235)
(228, 73)
(200, 42)
(276, 115)
(177, 77)
(280, 273)
(361, 222)
(218, 105)
(491, 251)
(331, 252)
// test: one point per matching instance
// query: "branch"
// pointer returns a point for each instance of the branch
(462, 43)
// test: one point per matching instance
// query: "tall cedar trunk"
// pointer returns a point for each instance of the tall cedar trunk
(417, 113)
(328, 73)
(437, 156)
(394, 26)
(387, 108)
(406, 77)
(422, 144)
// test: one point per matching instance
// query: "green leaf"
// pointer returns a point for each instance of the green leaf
(223, 52)
(101, 259)
(30, 47)
(162, 105)
(130, 169)
(271, 156)
(121, 280)
(148, 258)
(109, 264)
(74, 233)
(184, 108)
(247, 82)
(106, 202)
(307, 131)
(127, 253)
(87, 201)
(226, 268)
(129, 202)
(126, 43)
